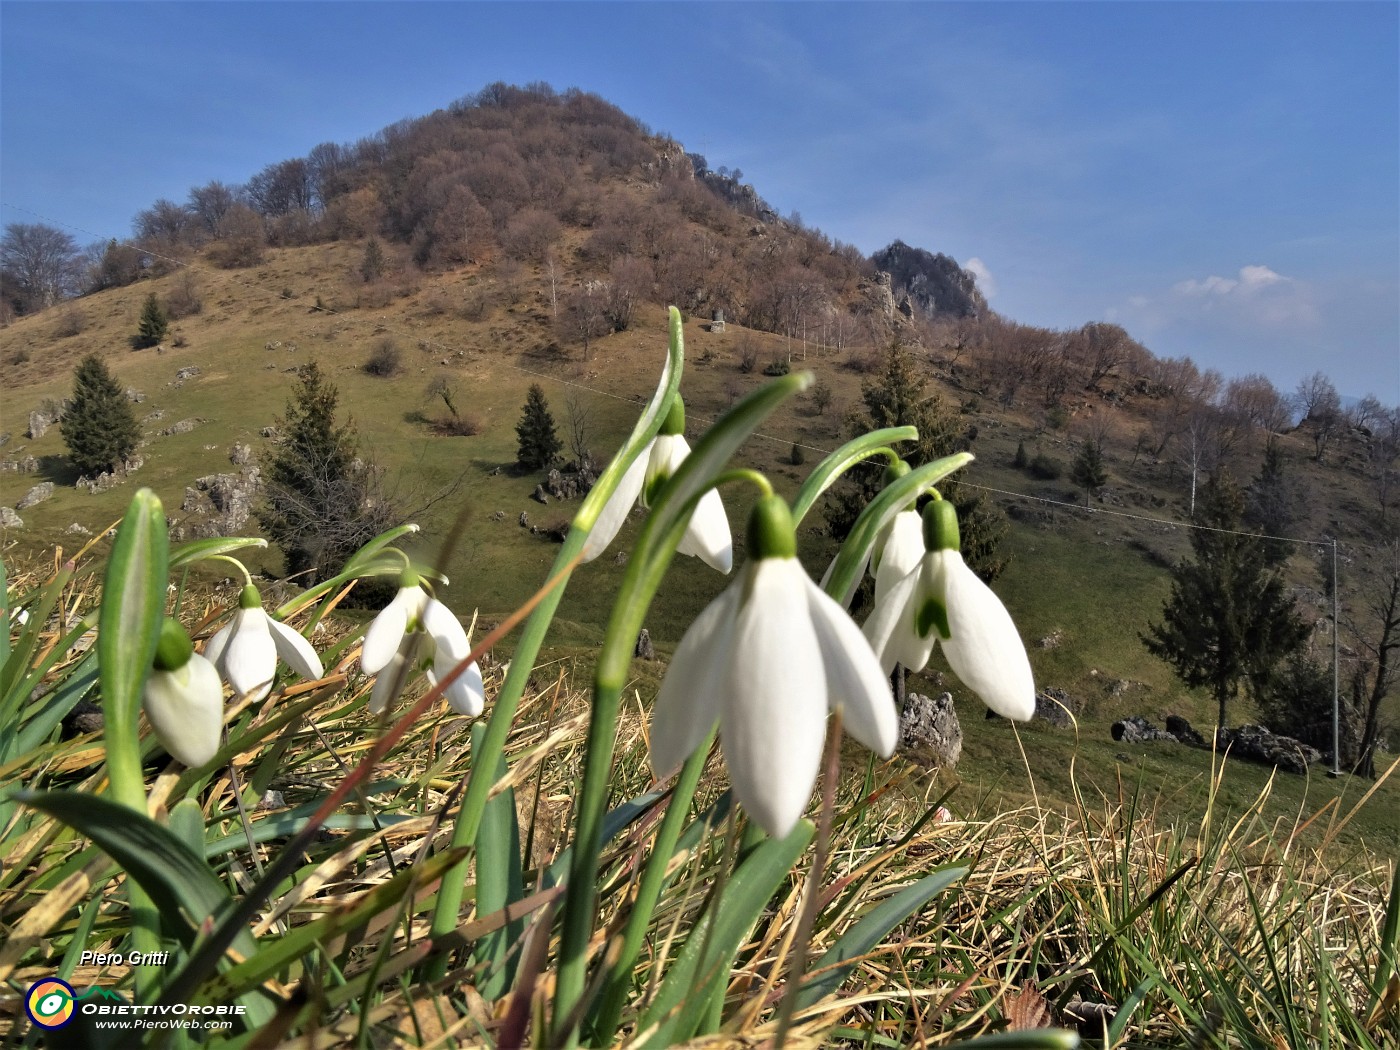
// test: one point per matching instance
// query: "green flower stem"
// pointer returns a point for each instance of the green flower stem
(247, 577)
(880, 511)
(829, 470)
(619, 979)
(128, 628)
(655, 547)
(447, 908)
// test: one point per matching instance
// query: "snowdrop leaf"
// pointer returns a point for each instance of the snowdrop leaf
(189, 553)
(704, 959)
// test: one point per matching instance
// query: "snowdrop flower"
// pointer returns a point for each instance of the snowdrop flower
(183, 698)
(416, 631)
(942, 600)
(246, 650)
(767, 660)
(898, 547)
(707, 536)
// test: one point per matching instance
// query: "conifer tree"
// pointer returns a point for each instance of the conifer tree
(897, 398)
(539, 442)
(1088, 470)
(99, 427)
(150, 330)
(322, 502)
(1228, 622)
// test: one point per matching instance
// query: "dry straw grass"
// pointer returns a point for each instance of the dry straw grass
(1168, 930)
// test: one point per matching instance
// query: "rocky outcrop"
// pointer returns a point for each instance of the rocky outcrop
(1137, 730)
(644, 650)
(1256, 744)
(929, 730)
(45, 416)
(110, 478)
(935, 284)
(37, 494)
(569, 484)
(9, 519)
(224, 502)
(1055, 706)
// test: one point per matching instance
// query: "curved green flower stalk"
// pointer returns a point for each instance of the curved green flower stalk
(576, 548)
(654, 549)
(128, 630)
(828, 471)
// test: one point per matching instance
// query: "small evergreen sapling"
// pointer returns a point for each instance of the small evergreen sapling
(151, 329)
(539, 441)
(99, 427)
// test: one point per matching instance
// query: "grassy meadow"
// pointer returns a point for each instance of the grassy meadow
(1206, 899)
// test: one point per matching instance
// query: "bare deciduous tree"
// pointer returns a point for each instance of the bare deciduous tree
(42, 265)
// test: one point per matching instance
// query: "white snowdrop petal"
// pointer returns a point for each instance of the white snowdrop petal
(467, 693)
(616, 509)
(855, 682)
(218, 642)
(668, 452)
(902, 552)
(250, 658)
(186, 710)
(707, 537)
(298, 653)
(688, 705)
(774, 704)
(386, 633)
(392, 677)
(890, 628)
(984, 648)
(446, 630)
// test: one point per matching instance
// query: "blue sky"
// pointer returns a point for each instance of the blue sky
(1222, 179)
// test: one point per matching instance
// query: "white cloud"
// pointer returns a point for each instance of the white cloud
(986, 283)
(1258, 297)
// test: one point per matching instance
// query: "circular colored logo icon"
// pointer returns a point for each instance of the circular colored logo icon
(49, 1003)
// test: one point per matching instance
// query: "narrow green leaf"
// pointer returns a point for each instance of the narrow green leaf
(498, 881)
(176, 878)
(187, 825)
(190, 553)
(702, 964)
(274, 953)
(617, 820)
(837, 963)
(829, 470)
(4, 616)
(76, 684)
(1389, 955)
(26, 644)
(128, 627)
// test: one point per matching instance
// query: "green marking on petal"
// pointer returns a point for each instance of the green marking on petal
(653, 486)
(932, 615)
